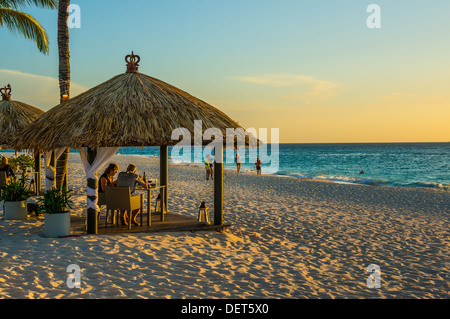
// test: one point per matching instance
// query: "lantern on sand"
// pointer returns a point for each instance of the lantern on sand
(203, 214)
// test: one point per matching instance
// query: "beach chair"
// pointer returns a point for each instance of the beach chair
(120, 199)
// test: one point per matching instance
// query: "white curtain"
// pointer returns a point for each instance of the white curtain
(50, 171)
(104, 154)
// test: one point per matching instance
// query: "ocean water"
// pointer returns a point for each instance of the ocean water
(384, 164)
(388, 164)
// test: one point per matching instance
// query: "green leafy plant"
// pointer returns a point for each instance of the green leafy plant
(21, 162)
(16, 190)
(55, 201)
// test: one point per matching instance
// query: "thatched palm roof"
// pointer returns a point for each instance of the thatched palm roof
(14, 116)
(131, 109)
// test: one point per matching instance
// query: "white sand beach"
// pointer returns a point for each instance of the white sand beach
(290, 238)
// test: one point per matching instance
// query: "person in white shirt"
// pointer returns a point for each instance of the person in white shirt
(237, 159)
(130, 179)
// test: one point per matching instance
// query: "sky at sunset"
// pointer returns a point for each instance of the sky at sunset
(311, 68)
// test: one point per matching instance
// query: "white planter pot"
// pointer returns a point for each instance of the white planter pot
(56, 225)
(16, 210)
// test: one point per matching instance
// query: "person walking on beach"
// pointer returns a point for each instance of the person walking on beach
(208, 167)
(237, 159)
(131, 179)
(107, 178)
(258, 166)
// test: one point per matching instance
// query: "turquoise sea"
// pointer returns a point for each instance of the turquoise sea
(388, 164)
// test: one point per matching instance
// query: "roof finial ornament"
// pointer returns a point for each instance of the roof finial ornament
(6, 93)
(132, 63)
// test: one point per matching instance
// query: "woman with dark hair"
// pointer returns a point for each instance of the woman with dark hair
(107, 178)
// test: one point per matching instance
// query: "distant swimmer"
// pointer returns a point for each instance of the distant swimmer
(362, 172)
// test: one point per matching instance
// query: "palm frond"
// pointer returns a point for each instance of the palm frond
(24, 24)
(16, 4)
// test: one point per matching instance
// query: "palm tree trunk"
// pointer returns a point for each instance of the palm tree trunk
(64, 81)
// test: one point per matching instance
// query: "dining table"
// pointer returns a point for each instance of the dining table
(149, 190)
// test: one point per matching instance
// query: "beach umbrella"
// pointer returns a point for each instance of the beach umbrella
(14, 117)
(130, 109)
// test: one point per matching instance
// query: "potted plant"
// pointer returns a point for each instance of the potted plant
(15, 195)
(54, 205)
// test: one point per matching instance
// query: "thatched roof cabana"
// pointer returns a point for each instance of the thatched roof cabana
(14, 116)
(131, 109)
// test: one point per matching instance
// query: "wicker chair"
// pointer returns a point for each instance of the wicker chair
(120, 199)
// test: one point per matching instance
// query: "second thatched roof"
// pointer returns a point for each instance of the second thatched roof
(14, 116)
(131, 109)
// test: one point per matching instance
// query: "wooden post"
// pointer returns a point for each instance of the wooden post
(66, 180)
(142, 209)
(149, 207)
(92, 227)
(53, 160)
(218, 186)
(37, 169)
(66, 177)
(163, 203)
(164, 175)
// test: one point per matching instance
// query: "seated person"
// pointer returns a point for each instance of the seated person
(4, 166)
(107, 178)
(130, 179)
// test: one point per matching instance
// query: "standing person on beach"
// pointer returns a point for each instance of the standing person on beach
(107, 178)
(131, 179)
(258, 166)
(208, 167)
(237, 159)
(4, 166)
